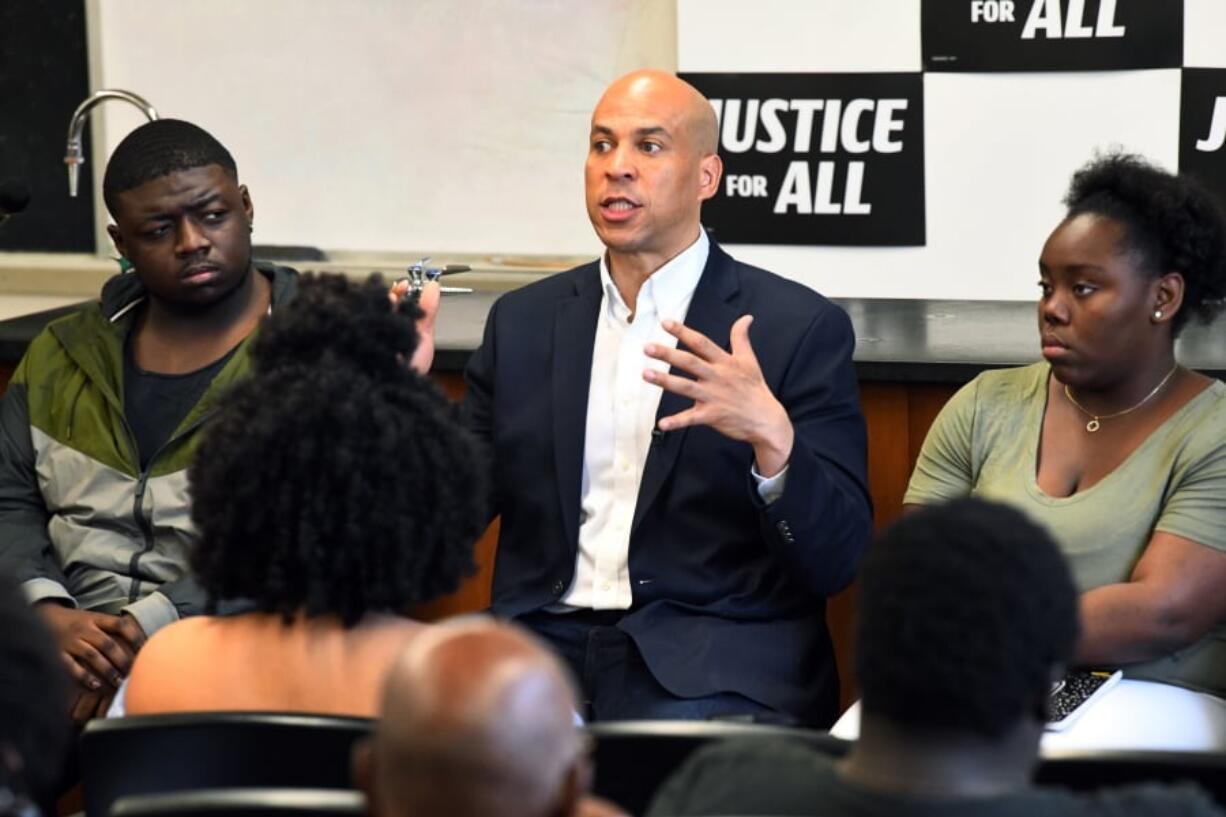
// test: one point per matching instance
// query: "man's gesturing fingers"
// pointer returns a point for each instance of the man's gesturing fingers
(729, 392)
(738, 340)
(679, 358)
(682, 419)
(693, 340)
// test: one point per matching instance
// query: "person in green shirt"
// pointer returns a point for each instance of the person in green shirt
(1118, 450)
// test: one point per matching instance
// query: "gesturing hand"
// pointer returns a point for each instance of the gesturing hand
(431, 296)
(728, 390)
(98, 648)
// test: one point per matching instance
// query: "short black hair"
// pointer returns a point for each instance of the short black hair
(964, 610)
(334, 480)
(1171, 223)
(34, 700)
(159, 148)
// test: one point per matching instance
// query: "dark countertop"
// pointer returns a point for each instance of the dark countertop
(16, 333)
(897, 340)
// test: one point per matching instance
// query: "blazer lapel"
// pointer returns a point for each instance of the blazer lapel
(574, 336)
(712, 312)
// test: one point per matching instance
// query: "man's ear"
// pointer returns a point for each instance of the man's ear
(710, 171)
(573, 789)
(362, 771)
(117, 239)
(248, 207)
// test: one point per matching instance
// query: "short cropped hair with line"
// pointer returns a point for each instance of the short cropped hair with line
(157, 149)
(964, 610)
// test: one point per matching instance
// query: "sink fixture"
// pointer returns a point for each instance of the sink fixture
(75, 155)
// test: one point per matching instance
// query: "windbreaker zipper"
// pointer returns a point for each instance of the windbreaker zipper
(145, 526)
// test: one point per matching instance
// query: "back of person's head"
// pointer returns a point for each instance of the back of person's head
(35, 729)
(157, 149)
(1171, 224)
(965, 611)
(334, 481)
(477, 719)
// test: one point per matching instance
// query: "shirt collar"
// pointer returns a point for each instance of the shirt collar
(669, 288)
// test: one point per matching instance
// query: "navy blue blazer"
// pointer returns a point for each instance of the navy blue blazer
(729, 593)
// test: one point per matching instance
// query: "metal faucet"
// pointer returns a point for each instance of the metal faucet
(75, 155)
(419, 275)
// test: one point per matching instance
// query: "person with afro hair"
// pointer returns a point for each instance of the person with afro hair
(1109, 442)
(333, 492)
(966, 614)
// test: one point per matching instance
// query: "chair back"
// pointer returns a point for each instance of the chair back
(632, 758)
(166, 753)
(1087, 770)
(243, 803)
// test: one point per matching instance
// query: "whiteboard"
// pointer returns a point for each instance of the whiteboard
(388, 125)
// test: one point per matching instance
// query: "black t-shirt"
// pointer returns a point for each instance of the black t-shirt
(782, 777)
(155, 404)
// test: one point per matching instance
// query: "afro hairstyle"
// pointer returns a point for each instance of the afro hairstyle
(1171, 224)
(334, 480)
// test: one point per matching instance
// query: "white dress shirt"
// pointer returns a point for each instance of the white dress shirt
(621, 414)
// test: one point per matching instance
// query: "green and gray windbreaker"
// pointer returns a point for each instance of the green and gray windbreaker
(79, 520)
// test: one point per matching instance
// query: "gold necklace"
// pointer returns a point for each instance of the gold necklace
(1094, 423)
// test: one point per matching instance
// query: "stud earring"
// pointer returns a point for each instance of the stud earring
(1157, 314)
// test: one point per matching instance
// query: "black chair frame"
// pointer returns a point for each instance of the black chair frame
(150, 754)
(632, 758)
(243, 803)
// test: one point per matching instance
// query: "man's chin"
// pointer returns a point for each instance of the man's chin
(622, 241)
(194, 303)
(203, 297)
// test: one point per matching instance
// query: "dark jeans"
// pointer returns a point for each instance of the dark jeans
(616, 684)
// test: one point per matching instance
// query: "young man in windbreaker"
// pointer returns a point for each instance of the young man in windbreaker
(102, 415)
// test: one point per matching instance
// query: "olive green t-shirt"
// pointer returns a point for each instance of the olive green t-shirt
(985, 441)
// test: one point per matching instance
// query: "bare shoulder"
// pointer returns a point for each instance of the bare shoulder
(592, 806)
(175, 651)
(177, 641)
(390, 633)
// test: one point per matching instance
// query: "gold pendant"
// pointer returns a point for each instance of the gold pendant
(1092, 426)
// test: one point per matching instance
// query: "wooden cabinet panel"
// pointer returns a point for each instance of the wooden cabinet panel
(474, 592)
